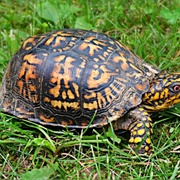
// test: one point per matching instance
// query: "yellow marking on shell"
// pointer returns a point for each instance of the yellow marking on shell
(66, 48)
(70, 94)
(58, 49)
(56, 76)
(92, 47)
(112, 86)
(134, 133)
(32, 87)
(105, 54)
(76, 88)
(90, 106)
(139, 124)
(83, 46)
(96, 59)
(110, 97)
(32, 59)
(84, 123)
(24, 113)
(101, 100)
(110, 50)
(49, 41)
(89, 96)
(141, 132)
(83, 64)
(62, 33)
(64, 96)
(137, 140)
(78, 72)
(46, 99)
(67, 122)
(118, 59)
(33, 98)
(135, 100)
(141, 87)
(31, 73)
(64, 123)
(94, 73)
(135, 68)
(96, 66)
(55, 91)
(101, 57)
(70, 122)
(65, 105)
(152, 70)
(148, 141)
(94, 83)
(59, 58)
(32, 41)
(20, 85)
(89, 39)
(121, 54)
(58, 41)
(99, 42)
(122, 60)
(121, 45)
(29, 70)
(105, 76)
(45, 119)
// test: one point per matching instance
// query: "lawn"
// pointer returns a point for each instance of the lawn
(151, 29)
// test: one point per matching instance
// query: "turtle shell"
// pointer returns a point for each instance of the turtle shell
(74, 78)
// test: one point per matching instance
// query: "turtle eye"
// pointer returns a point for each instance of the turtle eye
(176, 88)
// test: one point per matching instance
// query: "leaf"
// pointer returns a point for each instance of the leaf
(55, 12)
(42, 142)
(48, 11)
(110, 133)
(82, 23)
(40, 174)
(148, 10)
(171, 130)
(172, 17)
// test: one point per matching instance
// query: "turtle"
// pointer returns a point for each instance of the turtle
(77, 78)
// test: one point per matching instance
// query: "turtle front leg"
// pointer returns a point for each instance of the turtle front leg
(139, 123)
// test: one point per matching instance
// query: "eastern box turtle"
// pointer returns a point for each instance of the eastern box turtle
(64, 77)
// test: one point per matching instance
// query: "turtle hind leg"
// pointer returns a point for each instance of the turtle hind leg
(139, 123)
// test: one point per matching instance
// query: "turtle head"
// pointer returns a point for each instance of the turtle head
(163, 93)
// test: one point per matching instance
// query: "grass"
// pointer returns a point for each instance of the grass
(29, 151)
